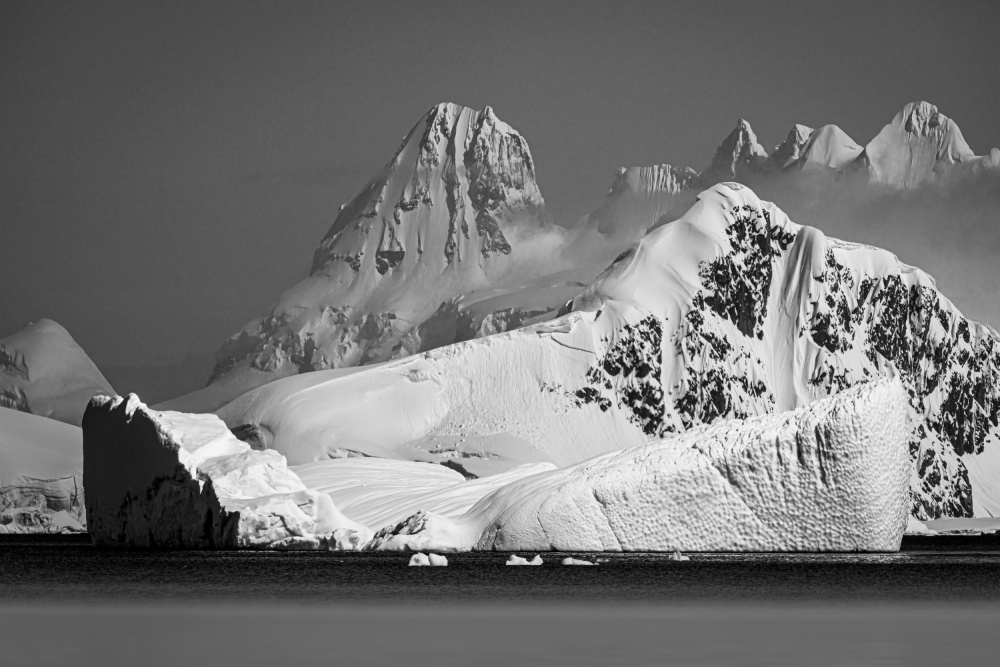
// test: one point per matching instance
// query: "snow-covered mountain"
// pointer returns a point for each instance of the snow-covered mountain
(729, 312)
(43, 371)
(918, 147)
(455, 212)
(41, 474)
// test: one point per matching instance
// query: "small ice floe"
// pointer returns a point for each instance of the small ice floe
(677, 555)
(432, 560)
(575, 561)
(517, 560)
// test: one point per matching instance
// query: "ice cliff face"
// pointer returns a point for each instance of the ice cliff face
(43, 371)
(167, 479)
(448, 215)
(730, 312)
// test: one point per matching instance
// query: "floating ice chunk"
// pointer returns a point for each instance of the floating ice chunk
(517, 560)
(427, 560)
(575, 561)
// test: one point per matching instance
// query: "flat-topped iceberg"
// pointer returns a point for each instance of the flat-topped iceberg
(169, 479)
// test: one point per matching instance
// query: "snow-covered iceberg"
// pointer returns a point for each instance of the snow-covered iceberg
(168, 479)
(831, 476)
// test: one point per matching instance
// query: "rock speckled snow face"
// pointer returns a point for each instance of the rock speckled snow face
(779, 315)
(167, 479)
(829, 477)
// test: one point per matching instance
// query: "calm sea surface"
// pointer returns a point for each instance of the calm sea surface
(63, 602)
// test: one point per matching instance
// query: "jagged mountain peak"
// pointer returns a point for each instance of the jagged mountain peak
(919, 144)
(738, 151)
(444, 217)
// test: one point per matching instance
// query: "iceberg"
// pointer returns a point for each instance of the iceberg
(175, 480)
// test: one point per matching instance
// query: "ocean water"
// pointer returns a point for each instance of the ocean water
(64, 602)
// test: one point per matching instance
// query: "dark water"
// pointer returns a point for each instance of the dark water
(63, 602)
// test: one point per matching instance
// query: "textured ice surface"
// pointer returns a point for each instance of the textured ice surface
(831, 476)
(168, 479)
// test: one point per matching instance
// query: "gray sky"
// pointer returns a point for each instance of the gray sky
(168, 169)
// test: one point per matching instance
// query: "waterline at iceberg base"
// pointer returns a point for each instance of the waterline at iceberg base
(832, 476)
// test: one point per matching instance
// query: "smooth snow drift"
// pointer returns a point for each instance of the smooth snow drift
(43, 371)
(731, 311)
(41, 475)
(167, 479)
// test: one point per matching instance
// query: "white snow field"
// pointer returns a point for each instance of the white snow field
(168, 479)
(731, 311)
(41, 485)
(43, 371)
(832, 476)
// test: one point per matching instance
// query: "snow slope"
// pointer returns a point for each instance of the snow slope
(41, 466)
(832, 476)
(730, 312)
(43, 371)
(168, 479)
(456, 210)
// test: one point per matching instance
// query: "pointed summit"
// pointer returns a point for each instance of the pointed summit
(441, 219)
(790, 150)
(739, 151)
(918, 145)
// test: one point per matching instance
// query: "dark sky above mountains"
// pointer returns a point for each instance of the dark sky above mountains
(168, 169)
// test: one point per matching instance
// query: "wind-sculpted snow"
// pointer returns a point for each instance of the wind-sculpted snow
(456, 210)
(43, 371)
(41, 469)
(828, 477)
(168, 479)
